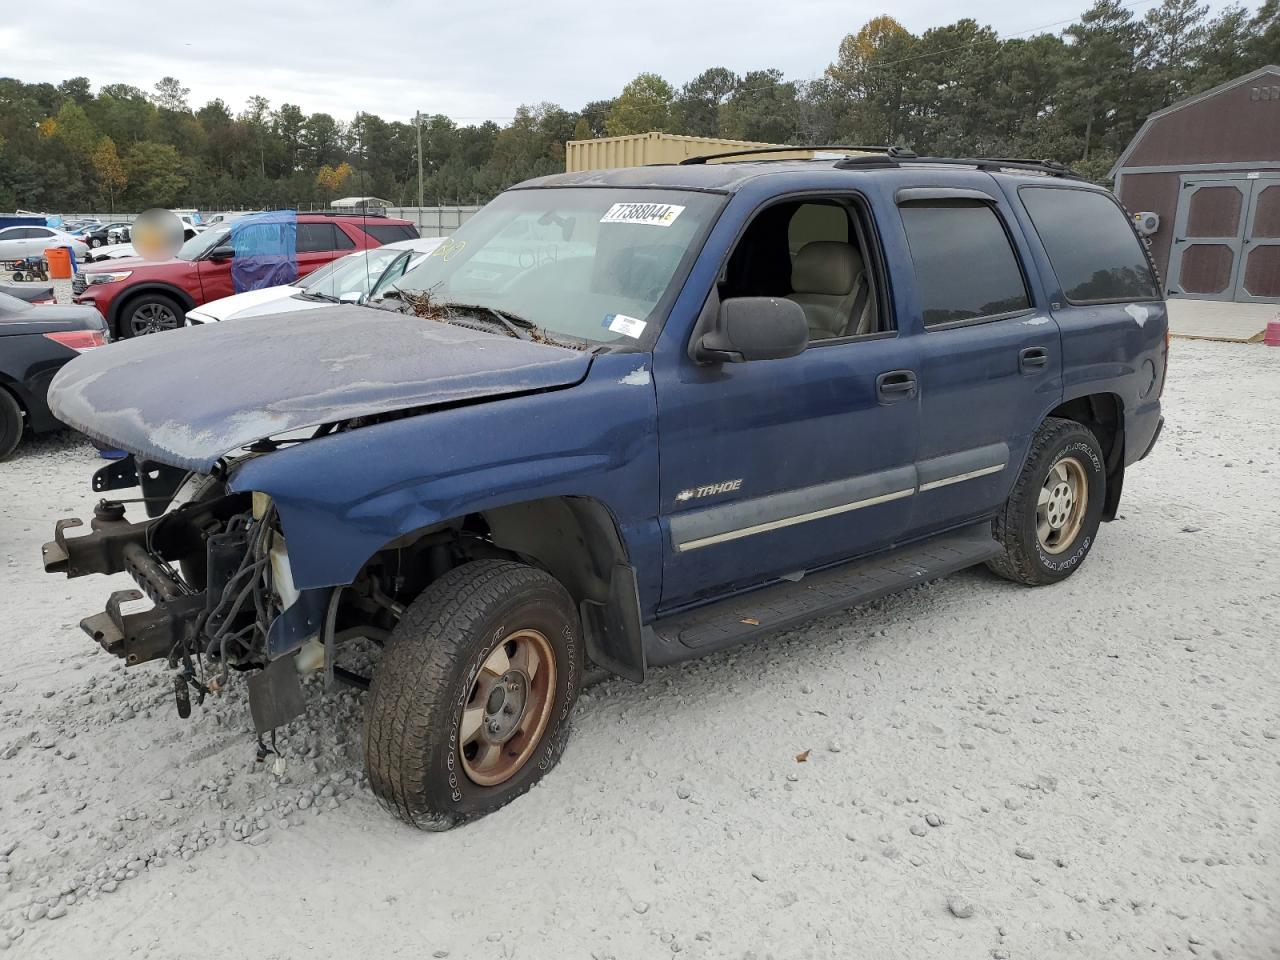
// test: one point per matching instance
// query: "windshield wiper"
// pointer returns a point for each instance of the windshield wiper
(472, 315)
(518, 327)
(316, 295)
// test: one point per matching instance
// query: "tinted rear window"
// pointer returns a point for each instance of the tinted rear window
(1091, 245)
(391, 232)
(965, 267)
(322, 238)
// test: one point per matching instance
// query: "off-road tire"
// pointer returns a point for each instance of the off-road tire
(11, 424)
(1025, 560)
(427, 671)
(146, 300)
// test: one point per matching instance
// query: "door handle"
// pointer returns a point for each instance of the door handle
(895, 385)
(1033, 359)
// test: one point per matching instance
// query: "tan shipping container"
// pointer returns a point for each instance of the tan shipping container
(639, 149)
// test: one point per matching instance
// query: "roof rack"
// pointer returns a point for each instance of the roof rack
(347, 212)
(879, 157)
(895, 156)
(781, 148)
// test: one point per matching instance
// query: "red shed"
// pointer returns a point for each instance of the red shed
(1209, 167)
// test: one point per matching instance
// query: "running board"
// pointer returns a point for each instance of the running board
(781, 605)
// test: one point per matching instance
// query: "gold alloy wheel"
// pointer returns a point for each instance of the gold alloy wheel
(508, 708)
(1061, 505)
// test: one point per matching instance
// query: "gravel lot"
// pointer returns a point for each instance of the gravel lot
(969, 770)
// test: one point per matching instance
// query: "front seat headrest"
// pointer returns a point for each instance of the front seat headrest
(825, 267)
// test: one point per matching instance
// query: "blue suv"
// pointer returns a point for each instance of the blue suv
(622, 418)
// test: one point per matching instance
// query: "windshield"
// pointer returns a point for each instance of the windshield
(202, 243)
(591, 263)
(351, 277)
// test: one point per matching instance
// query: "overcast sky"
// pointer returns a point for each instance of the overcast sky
(472, 61)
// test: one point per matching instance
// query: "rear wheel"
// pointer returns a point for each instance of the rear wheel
(470, 704)
(150, 313)
(10, 424)
(1051, 519)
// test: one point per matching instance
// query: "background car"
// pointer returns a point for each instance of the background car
(30, 292)
(19, 243)
(105, 233)
(139, 296)
(35, 342)
(346, 280)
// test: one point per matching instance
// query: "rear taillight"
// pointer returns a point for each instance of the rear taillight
(80, 340)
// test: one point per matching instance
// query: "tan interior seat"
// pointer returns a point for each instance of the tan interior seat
(830, 284)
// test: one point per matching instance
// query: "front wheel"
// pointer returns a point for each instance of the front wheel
(151, 313)
(470, 704)
(1051, 519)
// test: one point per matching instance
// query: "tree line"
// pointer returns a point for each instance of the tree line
(962, 90)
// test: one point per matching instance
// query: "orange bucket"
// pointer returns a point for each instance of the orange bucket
(59, 263)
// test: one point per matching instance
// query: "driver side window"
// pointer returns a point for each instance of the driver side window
(809, 251)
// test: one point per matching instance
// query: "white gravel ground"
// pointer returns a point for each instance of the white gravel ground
(969, 770)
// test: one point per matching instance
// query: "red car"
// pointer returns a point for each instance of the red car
(139, 296)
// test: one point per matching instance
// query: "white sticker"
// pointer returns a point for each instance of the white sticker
(655, 214)
(627, 326)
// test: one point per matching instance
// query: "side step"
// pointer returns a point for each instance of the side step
(781, 605)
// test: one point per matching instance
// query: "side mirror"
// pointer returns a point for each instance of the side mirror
(754, 328)
(351, 296)
(222, 253)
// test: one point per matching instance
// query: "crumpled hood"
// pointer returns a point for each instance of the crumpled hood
(187, 397)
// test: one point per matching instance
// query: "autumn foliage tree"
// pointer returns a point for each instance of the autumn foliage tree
(109, 171)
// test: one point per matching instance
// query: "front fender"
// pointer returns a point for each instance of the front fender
(343, 497)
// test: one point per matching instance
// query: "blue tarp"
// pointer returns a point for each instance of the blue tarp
(266, 246)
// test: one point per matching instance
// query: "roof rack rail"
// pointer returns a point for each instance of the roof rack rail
(347, 212)
(781, 148)
(897, 156)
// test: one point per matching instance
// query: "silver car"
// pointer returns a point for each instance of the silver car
(21, 242)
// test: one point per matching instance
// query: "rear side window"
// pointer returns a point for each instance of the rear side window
(1091, 245)
(321, 238)
(391, 232)
(965, 267)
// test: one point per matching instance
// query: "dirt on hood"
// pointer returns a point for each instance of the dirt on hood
(187, 397)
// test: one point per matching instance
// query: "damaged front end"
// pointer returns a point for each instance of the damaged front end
(216, 570)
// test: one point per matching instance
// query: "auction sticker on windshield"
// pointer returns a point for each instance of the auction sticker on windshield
(655, 214)
(627, 326)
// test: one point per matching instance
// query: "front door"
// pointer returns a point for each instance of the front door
(771, 468)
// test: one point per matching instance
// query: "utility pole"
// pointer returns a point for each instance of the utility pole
(417, 122)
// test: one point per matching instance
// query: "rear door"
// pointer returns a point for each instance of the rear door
(319, 243)
(38, 238)
(990, 356)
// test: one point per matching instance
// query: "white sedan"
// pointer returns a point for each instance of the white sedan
(21, 242)
(346, 280)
